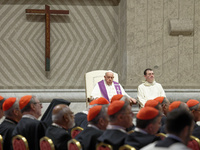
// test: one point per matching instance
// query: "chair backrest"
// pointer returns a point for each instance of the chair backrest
(46, 144)
(194, 143)
(73, 144)
(19, 142)
(161, 135)
(126, 147)
(1, 142)
(103, 146)
(75, 131)
(91, 79)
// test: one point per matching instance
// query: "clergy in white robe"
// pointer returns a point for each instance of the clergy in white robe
(150, 89)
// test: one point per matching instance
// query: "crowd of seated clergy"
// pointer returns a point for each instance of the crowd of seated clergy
(109, 122)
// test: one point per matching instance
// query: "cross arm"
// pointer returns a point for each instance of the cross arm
(39, 11)
(59, 11)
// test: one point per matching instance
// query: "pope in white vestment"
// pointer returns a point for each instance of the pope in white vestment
(96, 93)
(107, 88)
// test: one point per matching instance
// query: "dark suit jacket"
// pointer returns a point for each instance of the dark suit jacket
(114, 137)
(88, 138)
(139, 140)
(59, 136)
(196, 131)
(6, 129)
(33, 130)
(81, 120)
(167, 142)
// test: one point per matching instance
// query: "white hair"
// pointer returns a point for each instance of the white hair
(109, 71)
(58, 116)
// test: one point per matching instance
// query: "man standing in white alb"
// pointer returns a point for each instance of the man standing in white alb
(150, 89)
(107, 88)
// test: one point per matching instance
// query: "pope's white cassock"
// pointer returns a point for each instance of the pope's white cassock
(111, 91)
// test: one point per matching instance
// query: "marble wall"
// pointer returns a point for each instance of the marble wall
(85, 40)
(175, 58)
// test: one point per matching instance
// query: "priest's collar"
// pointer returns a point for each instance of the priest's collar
(85, 112)
(140, 130)
(174, 137)
(10, 120)
(93, 126)
(29, 116)
(116, 127)
(56, 125)
(146, 83)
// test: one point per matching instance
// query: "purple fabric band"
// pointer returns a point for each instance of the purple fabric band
(103, 89)
(117, 87)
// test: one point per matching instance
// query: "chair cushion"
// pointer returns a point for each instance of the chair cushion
(75, 133)
(19, 145)
(44, 145)
(194, 145)
(73, 146)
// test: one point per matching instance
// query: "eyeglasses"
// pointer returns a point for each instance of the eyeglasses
(38, 103)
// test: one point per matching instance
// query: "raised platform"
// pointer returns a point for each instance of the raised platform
(77, 96)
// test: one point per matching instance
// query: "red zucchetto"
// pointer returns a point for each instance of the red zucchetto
(159, 99)
(24, 101)
(116, 97)
(192, 102)
(151, 103)
(93, 112)
(147, 113)
(99, 101)
(174, 105)
(8, 103)
(115, 106)
(1, 98)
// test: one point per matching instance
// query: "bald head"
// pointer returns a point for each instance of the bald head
(60, 108)
(63, 116)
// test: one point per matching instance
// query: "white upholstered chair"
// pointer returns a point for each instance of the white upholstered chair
(91, 79)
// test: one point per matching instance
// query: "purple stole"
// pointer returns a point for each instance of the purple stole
(103, 89)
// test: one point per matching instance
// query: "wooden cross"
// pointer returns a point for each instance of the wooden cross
(47, 13)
